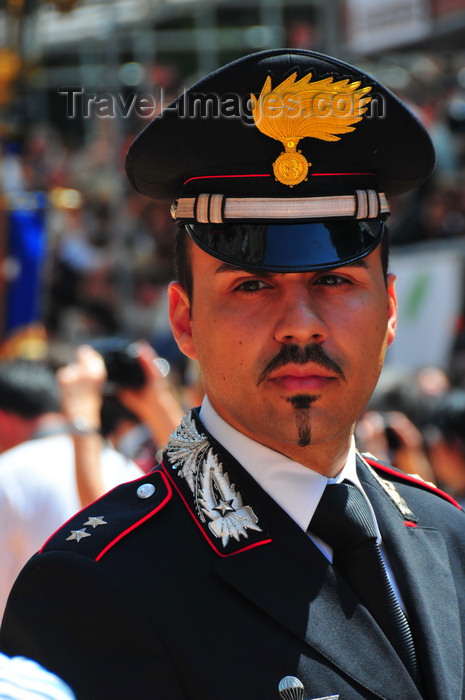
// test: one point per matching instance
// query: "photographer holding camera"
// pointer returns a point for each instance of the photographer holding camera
(140, 386)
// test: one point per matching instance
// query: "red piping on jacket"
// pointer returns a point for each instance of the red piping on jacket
(138, 522)
(81, 510)
(413, 480)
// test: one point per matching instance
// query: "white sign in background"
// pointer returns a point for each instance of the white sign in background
(430, 293)
(374, 25)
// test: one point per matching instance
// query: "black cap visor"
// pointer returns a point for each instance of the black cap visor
(288, 247)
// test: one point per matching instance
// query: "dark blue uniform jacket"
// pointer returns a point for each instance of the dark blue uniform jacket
(198, 586)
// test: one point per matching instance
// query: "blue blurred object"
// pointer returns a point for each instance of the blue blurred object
(26, 248)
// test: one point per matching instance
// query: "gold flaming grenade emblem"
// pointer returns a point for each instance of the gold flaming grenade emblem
(296, 110)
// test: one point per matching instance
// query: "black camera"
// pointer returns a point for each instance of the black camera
(121, 363)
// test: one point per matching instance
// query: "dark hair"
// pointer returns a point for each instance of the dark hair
(384, 250)
(182, 261)
(28, 388)
(183, 266)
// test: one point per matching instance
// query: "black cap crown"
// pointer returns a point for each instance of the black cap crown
(283, 159)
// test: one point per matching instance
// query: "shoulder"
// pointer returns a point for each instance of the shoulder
(400, 478)
(96, 529)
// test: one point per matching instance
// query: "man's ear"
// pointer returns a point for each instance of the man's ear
(180, 318)
(392, 307)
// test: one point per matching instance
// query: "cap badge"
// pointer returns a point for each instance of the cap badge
(296, 109)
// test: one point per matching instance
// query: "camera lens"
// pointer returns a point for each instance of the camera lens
(121, 363)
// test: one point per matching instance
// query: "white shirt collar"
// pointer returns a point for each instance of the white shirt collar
(297, 489)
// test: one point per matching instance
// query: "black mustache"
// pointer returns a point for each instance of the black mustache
(294, 354)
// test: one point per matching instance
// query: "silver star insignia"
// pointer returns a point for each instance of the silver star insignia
(224, 507)
(78, 535)
(96, 521)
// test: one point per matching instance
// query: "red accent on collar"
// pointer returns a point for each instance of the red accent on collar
(210, 542)
(139, 522)
(413, 480)
(409, 523)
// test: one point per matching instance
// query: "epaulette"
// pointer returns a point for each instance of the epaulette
(97, 528)
(393, 474)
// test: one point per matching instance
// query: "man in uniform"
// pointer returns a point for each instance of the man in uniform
(265, 557)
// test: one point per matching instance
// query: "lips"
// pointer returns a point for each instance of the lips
(293, 378)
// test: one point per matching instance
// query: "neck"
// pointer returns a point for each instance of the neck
(326, 459)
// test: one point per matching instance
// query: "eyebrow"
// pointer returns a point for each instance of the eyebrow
(227, 267)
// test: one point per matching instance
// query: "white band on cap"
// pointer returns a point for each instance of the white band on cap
(218, 209)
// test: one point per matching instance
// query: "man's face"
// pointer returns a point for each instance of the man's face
(289, 360)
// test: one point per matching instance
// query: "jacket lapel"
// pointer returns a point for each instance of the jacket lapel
(419, 558)
(291, 581)
(265, 556)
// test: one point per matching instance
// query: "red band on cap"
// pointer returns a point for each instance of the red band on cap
(212, 177)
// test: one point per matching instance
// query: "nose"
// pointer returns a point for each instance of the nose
(298, 318)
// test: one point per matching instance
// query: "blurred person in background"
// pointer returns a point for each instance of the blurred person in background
(39, 486)
(445, 440)
(81, 296)
(394, 439)
(392, 426)
(136, 420)
(127, 433)
(29, 402)
(156, 403)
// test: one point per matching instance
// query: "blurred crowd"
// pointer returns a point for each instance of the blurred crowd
(108, 249)
(415, 421)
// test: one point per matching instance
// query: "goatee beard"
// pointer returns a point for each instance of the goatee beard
(302, 404)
